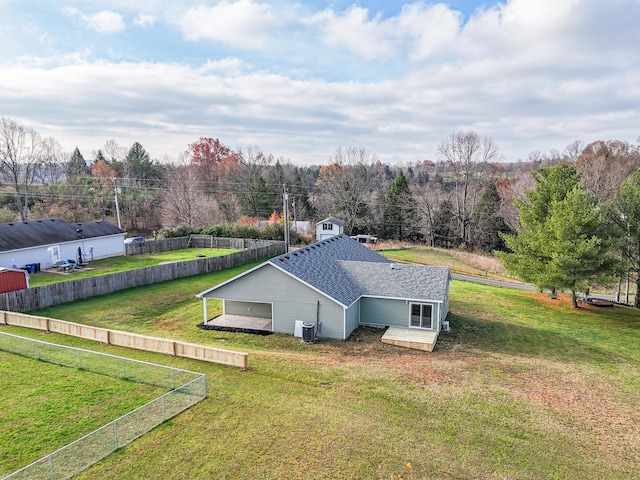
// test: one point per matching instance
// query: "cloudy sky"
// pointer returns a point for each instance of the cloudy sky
(300, 78)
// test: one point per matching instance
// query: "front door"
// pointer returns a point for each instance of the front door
(421, 315)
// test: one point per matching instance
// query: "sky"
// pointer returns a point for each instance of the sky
(299, 79)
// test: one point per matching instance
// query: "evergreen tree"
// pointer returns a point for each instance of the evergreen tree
(77, 166)
(300, 197)
(445, 233)
(400, 217)
(276, 179)
(138, 167)
(255, 200)
(564, 242)
(487, 224)
(99, 157)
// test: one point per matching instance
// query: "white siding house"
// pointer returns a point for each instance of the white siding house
(53, 240)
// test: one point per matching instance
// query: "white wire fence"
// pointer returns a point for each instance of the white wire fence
(186, 389)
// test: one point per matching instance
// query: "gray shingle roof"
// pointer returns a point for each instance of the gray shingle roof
(318, 266)
(398, 280)
(17, 235)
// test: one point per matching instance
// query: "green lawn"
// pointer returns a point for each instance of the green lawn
(129, 262)
(524, 387)
(44, 406)
(458, 261)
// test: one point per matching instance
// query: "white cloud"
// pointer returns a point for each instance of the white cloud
(401, 119)
(532, 75)
(242, 23)
(144, 20)
(354, 32)
(432, 29)
(105, 21)
(227, 66)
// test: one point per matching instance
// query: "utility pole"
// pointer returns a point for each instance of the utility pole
(117, 191)
(285, 199)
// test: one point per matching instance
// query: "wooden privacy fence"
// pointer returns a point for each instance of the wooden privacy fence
(125, 339)
(63, 292)
(195, 241)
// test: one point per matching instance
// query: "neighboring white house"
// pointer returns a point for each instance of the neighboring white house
(47, 242)
(338, 284)
(329, 227)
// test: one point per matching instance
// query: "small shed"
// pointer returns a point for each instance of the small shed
(12, 279)
(329, 227)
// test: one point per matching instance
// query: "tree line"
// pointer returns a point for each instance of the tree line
(467, 197)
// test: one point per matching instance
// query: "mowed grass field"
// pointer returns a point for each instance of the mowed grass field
(118, 264)
(524, 387)
(44, 406)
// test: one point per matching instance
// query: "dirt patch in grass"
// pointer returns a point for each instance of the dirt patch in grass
(546, 300)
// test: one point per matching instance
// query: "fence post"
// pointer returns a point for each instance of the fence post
(204, 386)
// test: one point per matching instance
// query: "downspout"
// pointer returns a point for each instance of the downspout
(317, 316)
(204, 301)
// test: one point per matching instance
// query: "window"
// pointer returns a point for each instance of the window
(421, 315)
(327, 226)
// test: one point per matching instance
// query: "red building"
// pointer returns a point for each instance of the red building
(12, 279)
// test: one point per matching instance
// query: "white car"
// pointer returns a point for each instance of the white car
(134, 240)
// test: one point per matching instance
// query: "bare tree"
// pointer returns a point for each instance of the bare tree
(573, 151)
(345, 187)
(20, 161)
(185, 202)
(469, 156)
(429, 196)
(250, 186)
(604, 166)
(112, 151)
(53, 159)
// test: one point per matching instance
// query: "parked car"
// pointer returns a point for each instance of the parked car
(134, 240)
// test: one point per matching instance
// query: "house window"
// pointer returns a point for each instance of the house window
(327, 226)
(421, 315)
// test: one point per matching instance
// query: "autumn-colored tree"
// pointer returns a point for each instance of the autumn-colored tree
(274, 218)
(211, 158)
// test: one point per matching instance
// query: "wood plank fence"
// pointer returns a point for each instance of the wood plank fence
(195, 241)
(70, 291)
(125, 339)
